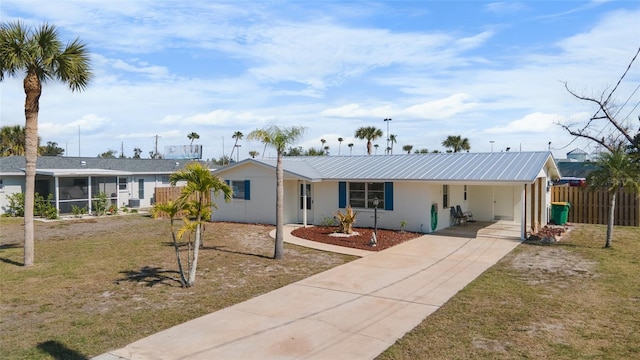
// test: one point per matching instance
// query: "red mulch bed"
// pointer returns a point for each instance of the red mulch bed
(386, 238)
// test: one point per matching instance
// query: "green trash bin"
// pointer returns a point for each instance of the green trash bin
(559, 212)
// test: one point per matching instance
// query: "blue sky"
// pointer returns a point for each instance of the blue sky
(488, 71)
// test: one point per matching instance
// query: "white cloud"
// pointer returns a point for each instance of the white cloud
(531, 123)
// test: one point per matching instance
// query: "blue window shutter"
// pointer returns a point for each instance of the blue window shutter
(247, 189)
(342, 194)
(388, 196)
(228, 182)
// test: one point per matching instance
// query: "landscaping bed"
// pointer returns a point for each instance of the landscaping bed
(360, 239)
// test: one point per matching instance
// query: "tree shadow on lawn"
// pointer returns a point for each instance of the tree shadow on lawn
(60, 351)
(9, 261)
(221, 249)
(150, 276)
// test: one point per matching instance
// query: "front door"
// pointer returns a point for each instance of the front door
(503, 202)
(305, 189)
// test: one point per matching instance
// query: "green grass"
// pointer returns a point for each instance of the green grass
(570, 300)
(100, 284)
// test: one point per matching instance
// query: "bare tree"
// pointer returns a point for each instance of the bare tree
(607, 126)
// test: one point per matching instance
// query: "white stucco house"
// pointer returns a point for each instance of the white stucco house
(78, 180)
(418, 189)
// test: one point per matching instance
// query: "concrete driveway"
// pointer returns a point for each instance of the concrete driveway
(353, 311)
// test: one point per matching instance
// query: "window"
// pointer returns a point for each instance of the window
(445, 196)
(1, 184)
(140, 188)
(361, 195)
(164, 180)
(238, 189)
(241, 189)
(122, 183)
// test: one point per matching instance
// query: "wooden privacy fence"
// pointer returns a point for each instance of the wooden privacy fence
(592, 206)
(164, 194)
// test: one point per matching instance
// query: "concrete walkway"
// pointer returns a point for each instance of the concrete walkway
(353, 311)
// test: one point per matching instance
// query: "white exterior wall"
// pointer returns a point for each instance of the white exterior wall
(261, 208)
(11, 185)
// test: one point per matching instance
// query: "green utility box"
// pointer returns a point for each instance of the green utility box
(559, 212)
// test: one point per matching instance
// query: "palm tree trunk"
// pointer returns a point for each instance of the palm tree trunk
(183, 280)
(279, 246)
(368, 147)
(612, 210)
(194, 262)
(32, 89)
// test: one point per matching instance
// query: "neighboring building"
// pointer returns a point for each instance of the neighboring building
(578, 155)
(416, 188)
(78, 180)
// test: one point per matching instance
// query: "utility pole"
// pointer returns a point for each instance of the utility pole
(155, 153)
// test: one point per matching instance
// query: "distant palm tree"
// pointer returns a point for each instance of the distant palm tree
(40, 55)
(369, 133)
(136, 153)
(238, 136)
(392, 139)
(375, 146)
(326, 150)
(12, 140)
(350, 145)
(456, 143)
(193, 136)
(407, 148)
(616, 170)
(340, 140)
(280, 139)
(253, 154)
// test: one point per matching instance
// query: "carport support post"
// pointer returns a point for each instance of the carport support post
(523, 216)
(304, 204)
(56, 188)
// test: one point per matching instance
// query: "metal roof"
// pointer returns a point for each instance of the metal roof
(462, 167)
(12, 165)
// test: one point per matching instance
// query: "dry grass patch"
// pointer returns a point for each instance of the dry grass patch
(569, 300)
(101, 283)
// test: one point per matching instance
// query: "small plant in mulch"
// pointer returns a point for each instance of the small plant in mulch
(346, 220)
(549, 234)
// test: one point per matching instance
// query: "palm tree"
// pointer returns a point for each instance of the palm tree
(196, 199)
(12, 140)
(193, 136)
(456, 143)
(39, 53)
(279, 138)
(326, 150)
(392, 139)
(136, 153)
(253, 154)
(376, 149)
(238, 136)
(407, 148)
(340, 140)
(616, 170)
(369, 133)
(172, 209)
(323, 141)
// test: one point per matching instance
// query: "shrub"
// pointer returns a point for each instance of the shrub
(100, 203)
(346, 220)
(78, 211)
(16, 204)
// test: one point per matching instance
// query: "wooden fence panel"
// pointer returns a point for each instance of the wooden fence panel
(164, 194)
(592, 207)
